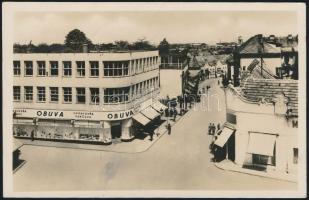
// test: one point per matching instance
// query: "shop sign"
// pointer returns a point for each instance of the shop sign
(77, 115)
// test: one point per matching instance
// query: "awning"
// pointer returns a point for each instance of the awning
(224, 136)
(141, 119)
(150, 113)
(158, 106)
(191, 84)
(262, 144)
(188, 91)
(23, 121)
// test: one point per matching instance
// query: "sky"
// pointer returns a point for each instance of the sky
(176, 26)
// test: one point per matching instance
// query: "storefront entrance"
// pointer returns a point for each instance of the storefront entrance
(116, 129)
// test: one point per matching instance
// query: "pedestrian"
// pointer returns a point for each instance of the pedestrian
(213, 128)
(169, 128)
(171, 112)
(218, 126)
(218, 82)
(151, 133)
(32, 135)
(175, 114)
(209, 129)
(166, 112)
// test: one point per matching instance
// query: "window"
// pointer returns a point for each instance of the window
(28, 68)
(295, 155)
(137, 89)
(16, 93)
(94, 68)
(67, 94)
(136, 67)
(54, 94)
(16, 68)
(54, 68)
(28, 93)
(80, 68)
(80, 95)
(117, 68)
(147, 86)
(231, 118)
(116, 95)
(41, 68)
(41, 94)
(67, 68)
(95, 96)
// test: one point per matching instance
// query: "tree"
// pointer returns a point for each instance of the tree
(20, 48)
(142, 44)
(42, 48)
(106, 46)
(122, 45)
(75, 40)
(57, 48)
(164, 47)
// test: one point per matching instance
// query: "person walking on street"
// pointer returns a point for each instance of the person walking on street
(32, 135)
(213, 129)
(175, 114)
(209, 129)
(169, 128)
(218, 126)
(151, 133)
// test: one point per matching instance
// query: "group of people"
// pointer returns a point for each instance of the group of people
(212, 128)
(171, 112)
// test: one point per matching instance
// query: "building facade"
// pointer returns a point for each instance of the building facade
(84, 96)
(262, 125)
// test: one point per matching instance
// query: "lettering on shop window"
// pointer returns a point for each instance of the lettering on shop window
(83, 115)
(49, 114)
(120, 115)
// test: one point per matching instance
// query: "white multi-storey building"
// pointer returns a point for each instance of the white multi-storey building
(85, 96)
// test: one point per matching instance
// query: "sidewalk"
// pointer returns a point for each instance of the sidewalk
(134, 146)
(230, 166)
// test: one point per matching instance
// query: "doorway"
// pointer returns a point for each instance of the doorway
(231, 147)
(116, 129)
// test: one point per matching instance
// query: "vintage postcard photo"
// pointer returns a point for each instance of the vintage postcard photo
(154, 99)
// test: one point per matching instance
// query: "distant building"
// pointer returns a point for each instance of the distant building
(175, 59)
(278, 55)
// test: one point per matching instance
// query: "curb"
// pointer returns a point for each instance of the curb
(259, 175)
(19, 166)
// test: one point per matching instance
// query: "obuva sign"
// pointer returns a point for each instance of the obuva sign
(121, 115)
(55, 114)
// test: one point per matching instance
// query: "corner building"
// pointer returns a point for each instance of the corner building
(84, 96)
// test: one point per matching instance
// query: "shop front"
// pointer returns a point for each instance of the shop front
(262, 151)
(83, 126)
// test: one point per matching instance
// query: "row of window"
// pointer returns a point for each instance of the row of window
(110, 68)
(110, 95)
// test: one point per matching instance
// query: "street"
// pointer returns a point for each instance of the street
(177, 161)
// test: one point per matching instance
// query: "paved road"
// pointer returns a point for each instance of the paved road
(177, 161)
